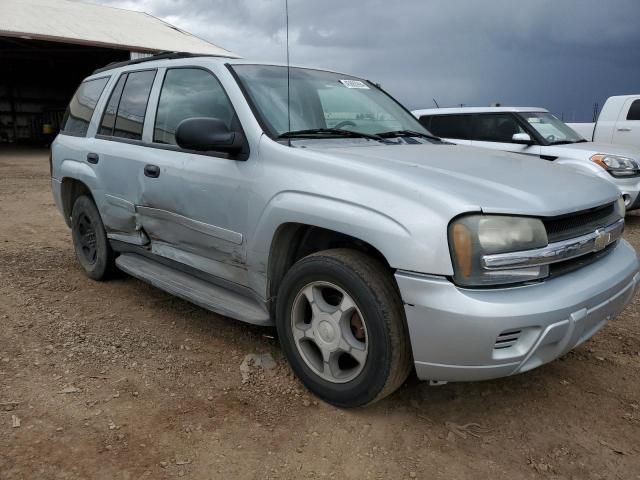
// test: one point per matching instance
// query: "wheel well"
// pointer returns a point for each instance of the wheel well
(294, 241)
(71, 190)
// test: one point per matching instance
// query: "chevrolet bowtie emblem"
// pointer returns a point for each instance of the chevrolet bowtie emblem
(602, 240)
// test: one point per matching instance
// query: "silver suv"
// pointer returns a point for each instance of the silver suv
(374, 247)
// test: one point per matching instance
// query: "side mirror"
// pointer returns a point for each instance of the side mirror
(208, 134)
(522, 139)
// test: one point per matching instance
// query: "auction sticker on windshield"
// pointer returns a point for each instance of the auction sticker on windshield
(354, 84)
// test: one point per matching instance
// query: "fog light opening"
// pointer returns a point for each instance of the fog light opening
(627, 199)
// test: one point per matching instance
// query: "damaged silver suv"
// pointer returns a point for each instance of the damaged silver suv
(314, 201)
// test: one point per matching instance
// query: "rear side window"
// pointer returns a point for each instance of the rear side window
(188, 93)
(634, 111)
(451, 126)
(78, 115)
(124, 115)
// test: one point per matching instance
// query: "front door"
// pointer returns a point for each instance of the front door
(193, 206)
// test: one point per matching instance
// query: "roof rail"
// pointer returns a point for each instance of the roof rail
(157, 56)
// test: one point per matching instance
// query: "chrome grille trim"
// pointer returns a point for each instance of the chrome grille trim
(557, 251)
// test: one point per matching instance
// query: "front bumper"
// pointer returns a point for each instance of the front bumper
(630, 189)
(465, 335)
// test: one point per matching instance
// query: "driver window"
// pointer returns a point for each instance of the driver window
(188, 93)
(498, 127)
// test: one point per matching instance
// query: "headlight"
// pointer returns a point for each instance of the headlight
(616, 165)
(621, 209)
(472, 236)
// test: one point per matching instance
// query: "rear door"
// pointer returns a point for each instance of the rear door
(627, 128)
(455, 127)
(121, 153)
(495, 131)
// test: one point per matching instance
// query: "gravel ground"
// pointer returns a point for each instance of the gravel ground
(119, 380)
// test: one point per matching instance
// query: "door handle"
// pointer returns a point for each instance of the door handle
(151, 171)
(624, 129)
(92, 158)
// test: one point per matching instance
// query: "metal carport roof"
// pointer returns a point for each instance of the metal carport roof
(88, 24)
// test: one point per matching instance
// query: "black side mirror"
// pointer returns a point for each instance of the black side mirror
(208, 134)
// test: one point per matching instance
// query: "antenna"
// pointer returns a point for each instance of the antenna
(434, 101)
(286, 10)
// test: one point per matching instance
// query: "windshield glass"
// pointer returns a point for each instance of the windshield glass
(552, 129)
(321, 100)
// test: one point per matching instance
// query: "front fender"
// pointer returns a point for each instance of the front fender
(401, 248)
(364, 223)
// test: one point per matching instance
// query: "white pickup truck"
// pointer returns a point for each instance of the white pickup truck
(618, 122)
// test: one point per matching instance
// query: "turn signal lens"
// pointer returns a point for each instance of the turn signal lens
(463, 246)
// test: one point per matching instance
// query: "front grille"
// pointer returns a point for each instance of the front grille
(576, 224)
(569, 266)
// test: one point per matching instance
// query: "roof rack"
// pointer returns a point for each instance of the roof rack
(157, 56)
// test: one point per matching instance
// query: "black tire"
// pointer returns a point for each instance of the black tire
(371, 286)
(99, 263)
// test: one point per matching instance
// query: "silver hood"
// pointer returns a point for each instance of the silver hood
(457, 179)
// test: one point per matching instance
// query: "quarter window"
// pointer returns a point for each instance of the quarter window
(78, 115)
(188, 93)
(634, 111)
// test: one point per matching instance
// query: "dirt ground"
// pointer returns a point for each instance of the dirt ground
(119, 380)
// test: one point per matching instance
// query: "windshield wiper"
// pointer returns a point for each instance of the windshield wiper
(313, 132)
(407, 133)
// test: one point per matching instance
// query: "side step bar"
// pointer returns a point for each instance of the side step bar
(204, 294)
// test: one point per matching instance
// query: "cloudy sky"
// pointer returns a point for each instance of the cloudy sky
(560, 54)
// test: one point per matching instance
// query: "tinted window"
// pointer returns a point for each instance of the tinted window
(109, 115)
(188, 93)
(76, 119)
(496, 127)
(133, 104)
(451, 126)
(634, 111)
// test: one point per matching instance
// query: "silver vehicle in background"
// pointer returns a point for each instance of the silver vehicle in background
(537, 133)
(374, 247)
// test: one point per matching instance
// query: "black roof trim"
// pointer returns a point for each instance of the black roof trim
(158, 56)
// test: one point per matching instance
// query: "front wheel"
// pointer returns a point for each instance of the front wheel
(341, 324)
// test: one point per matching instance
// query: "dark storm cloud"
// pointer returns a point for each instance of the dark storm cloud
(560, 54)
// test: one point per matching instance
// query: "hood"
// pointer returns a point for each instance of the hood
(584, 150)
(460, 179)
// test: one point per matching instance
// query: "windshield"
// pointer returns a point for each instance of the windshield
(322, 100)
(552, 129)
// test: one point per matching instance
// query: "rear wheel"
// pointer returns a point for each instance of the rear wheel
(90, 240)
(341, 324)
